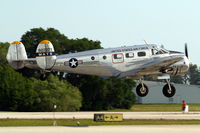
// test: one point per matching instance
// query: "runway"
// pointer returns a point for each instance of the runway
(105, 129)
(90, 115)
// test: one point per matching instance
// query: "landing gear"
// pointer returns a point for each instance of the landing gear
(42, 75)
(169, 89)
(142, 90)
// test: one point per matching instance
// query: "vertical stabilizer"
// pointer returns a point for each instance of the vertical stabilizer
(45, 55)
(16, 55)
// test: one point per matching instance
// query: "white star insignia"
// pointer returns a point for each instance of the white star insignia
(73, 62)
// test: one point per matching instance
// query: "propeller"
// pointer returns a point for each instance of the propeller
(186, 50)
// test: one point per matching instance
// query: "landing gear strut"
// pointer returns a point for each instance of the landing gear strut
(169, 89)
(142, 90)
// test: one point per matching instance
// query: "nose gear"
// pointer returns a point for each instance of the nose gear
(169, 89)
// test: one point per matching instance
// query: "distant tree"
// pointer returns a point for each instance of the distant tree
(194, 74)
(20, 94)
(120, 94)
(11, 86)
(177, 79)
(3, 52)
(103, 94)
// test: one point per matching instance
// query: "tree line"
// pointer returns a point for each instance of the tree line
(28, 90)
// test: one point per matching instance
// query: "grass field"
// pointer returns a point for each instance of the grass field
(154, 108)
(158, 108)
(85, 122)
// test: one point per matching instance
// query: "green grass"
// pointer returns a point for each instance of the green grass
(87, 122)
(158, 108)
(152, 108)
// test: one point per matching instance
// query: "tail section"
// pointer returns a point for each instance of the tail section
(16, 55)
(45, 55)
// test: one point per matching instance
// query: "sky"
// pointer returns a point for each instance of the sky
(114, 23)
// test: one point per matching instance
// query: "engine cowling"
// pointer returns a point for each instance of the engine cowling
(45, 55)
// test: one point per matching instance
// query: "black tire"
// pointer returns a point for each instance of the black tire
(166, 90)
(140, 92)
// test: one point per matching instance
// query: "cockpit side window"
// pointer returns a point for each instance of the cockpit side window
(158, 51)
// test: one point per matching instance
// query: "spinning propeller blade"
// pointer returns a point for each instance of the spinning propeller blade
(186, 50)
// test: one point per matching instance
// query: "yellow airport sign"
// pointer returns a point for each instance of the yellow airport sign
(108, 117)
(113, 117)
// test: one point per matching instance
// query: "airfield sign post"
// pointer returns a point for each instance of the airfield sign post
(54, 119)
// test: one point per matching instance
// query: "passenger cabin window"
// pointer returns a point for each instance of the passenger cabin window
(129, 55)
(117, 56)
(140, 54)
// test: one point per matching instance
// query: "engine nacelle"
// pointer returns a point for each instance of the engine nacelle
(16, 55)
(45, 55)
(180, 67)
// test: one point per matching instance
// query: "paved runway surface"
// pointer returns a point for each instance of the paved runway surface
(105, 129)
(90, 115)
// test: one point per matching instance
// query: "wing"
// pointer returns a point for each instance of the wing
(31, 63)
(155, 65)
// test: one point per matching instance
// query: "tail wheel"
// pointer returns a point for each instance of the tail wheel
(169, 92)
(142, 92)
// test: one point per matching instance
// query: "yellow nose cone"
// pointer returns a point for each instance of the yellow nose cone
(16, 42)
(45, 42)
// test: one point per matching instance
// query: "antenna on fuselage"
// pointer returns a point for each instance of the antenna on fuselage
(147, 44)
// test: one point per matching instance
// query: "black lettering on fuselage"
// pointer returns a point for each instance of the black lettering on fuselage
(129, 49)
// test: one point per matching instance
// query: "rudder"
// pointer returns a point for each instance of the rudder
(45, 55)
(16, 55)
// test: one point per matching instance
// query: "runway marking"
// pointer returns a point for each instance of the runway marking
(105, 129)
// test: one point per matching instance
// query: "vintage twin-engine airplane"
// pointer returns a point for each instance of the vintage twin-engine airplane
(134, 61)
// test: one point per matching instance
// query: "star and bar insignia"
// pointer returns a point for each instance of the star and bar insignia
(73, 62)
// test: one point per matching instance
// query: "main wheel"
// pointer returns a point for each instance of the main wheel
(142, 92)
(167, 92)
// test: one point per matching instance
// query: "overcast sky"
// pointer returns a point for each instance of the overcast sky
(113, 22)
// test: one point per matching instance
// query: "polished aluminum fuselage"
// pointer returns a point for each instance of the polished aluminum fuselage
(115, 62)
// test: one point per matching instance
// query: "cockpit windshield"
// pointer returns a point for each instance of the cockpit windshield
(158, 50)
